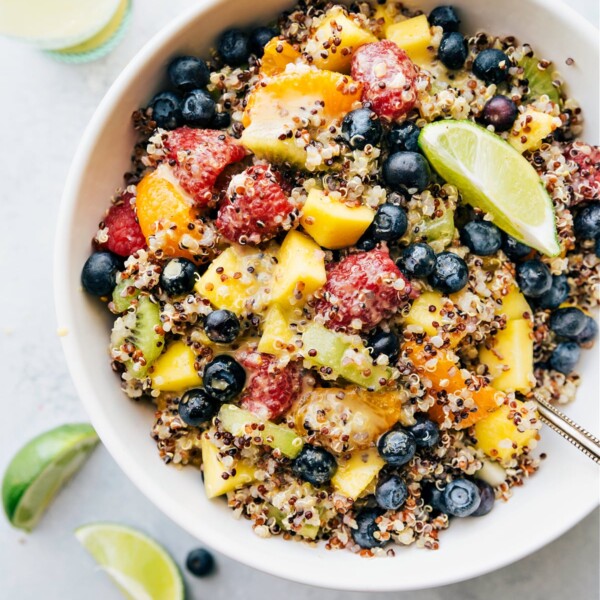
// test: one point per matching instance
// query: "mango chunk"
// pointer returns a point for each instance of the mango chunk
(333, 224)
(213, 469)
(498, 436)
(342, 355)
(414, 37)
(354, 476)
(335, 39)
(280, 437)
(278, 337)
(384, 16)
(277, 55)
(174, 371)
(238, 279)
(530, 129)
(510, 360)
(514, 305)
(300, 270)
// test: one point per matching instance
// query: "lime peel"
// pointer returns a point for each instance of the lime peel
(493, 176)
(41, 468)
(140, 567)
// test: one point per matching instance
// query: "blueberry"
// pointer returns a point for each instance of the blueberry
(453, 50)
(425, 432)
(556, 295)
(565, 357)
(200, 562)
(198, 108)
(597, 247)
(166, 110)
(384, 342)
(196, 407)
(406, 171)
(568, 323)
(587, 221)
(233, 48)
(501, 112)
(178, 277)
(403, 137)
(389, 224)
(589, 332)
(366, 242)
(513, 248)
(99, 273)
(481, 237)
(221, 326)
(315, 465)
(450, 273)
(259, 38)
(220, 120)
(361, 127)
(444, 17)
(534, 278)
(488, 498)
(417, 260)
(224, 377)
(491, 66)
(366, 527)
(461, 498)
(397, 447)
(433, 496)
(188, 73)
(391, 493)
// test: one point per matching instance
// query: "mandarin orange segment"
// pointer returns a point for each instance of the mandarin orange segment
(278, 54)
(446, 376)
(165, 214)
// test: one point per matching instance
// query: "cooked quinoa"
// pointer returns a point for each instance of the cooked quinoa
(322, 408)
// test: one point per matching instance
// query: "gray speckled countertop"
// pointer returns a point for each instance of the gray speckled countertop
(44, 107)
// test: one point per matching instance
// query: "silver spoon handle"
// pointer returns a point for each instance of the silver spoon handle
(574, 433)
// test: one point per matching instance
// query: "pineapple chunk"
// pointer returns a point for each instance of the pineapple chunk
(498, 436)
(414, 37)
(280, 437)
(213, 469)
(333, 224)
(300, 270)
(228, 284)
(343, 355)
(531, 128)
(277, 337)
(510, 361)
(354, 476)
(420, 315)
(337, 25)
(514, 305)
(174, 371)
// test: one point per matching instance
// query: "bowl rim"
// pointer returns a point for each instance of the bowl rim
(115, 446)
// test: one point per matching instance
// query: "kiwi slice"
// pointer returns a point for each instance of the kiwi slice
(120, 302)
(140, 328)
(539, 82)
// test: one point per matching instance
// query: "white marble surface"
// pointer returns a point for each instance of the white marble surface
(44, 107)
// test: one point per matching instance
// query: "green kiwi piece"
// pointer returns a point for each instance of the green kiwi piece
(139, 328)
(120, 302)
(539, 82)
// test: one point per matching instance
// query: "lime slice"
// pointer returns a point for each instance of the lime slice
(41, 468)
(493, 176)
(140, 568)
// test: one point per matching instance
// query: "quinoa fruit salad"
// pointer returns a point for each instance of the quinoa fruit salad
(354, 247)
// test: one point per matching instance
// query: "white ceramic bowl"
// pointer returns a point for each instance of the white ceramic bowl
(562, 493)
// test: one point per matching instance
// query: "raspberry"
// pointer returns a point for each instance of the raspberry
(361, 290)
(586, 180)
(255, 208)
(124, 233)
(388, 77)
(271, 389)
(198, 157)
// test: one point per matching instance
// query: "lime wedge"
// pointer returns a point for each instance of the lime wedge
(140, 568)
(493, 176)
(41, 468)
